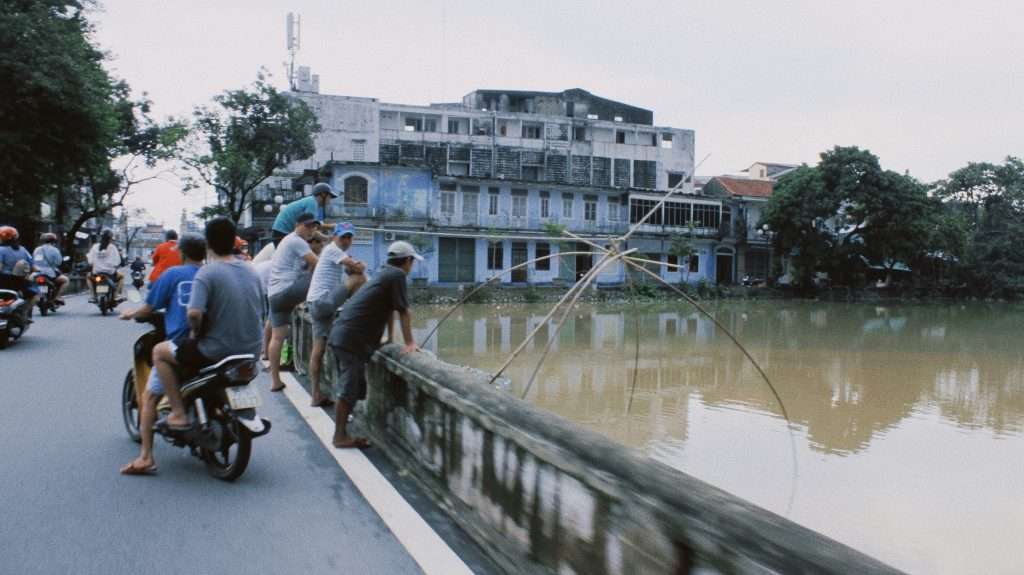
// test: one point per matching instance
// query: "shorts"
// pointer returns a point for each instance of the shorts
(153, 384)
(189, 358)
(323, 311)
(27, 288)
(351, 383)
(282, 303)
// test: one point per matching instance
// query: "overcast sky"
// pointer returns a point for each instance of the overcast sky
(927, 85)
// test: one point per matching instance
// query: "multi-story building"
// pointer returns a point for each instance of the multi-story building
(484, 184)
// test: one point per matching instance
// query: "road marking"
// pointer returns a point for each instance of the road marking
(425, 546)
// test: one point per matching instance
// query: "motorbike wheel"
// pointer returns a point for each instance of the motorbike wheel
(103, 308)
(5, 338)
(44, 308)
(130, 407)
(230, 462)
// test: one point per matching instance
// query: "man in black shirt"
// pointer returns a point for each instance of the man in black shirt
(356, 333)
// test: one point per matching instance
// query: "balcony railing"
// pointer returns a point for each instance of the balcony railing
(526, 223)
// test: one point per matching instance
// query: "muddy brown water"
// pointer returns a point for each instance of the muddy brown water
(908, 420)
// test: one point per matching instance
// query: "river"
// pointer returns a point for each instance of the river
(907, 420)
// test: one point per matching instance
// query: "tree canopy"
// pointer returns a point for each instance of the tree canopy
(245, 136)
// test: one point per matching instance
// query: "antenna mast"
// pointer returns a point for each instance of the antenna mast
(294, 35)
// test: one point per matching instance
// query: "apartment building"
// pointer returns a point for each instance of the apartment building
(483, 184)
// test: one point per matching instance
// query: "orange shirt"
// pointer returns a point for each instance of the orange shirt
(166, 255)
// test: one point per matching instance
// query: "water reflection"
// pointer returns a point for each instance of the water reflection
(846, 373)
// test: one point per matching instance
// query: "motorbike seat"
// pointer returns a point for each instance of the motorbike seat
(226, 360)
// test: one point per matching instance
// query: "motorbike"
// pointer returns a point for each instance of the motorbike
(106, 287)
(15, 316)
(219, 402)
(138, 279)
(44, 299)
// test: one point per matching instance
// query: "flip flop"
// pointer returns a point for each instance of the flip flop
(322, 403)
(277, 389)
(131, 469)
(357, 443)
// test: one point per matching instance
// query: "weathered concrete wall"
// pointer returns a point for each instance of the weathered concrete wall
(543, 495)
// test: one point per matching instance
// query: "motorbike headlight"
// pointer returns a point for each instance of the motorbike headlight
(242, 372)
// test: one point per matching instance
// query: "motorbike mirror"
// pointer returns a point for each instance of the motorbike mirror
(134, 296)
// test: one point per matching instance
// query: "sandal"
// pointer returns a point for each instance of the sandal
(132, 469)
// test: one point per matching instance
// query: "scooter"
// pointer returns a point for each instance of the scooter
(15, 316)
(219, 402)
(138, 279)
(105, 286)
(46, 287)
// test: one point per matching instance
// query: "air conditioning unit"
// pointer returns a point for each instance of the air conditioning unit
(389, 236)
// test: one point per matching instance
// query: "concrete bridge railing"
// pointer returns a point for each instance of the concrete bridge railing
(543, 495)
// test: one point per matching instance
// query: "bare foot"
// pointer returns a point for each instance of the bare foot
(351, 442)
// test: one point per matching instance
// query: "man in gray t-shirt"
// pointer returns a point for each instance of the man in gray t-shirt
(224, 317)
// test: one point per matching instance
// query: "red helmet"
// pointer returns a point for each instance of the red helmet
(8, 233)
(240, 243)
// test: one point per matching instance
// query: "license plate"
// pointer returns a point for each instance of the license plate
(102, 289)
(43, 289)
(243, 397)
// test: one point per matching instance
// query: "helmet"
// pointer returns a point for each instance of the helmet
(48, 237)
(8, 233)
(240, 243)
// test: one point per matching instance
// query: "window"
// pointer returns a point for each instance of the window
(613, 209)
(470, 203)
(620, 137)
(482, 126)
(518, 203)
(359, 150)
(492, 201)
(677, 214)
(638, 208)
(545, 205)
(532, 131)
(448, 203)
(414, 124)
(567, 201)
(706, 216)
(649, 138)
(355, 191)
(430, 125)
(495, 255)
(590, 208)
(672, 261)
(579, 133)
(453, 126)
(675, 179)
(543, 250)
(666, 140)
(694, 264)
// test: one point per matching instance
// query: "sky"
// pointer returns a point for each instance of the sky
(927, 85)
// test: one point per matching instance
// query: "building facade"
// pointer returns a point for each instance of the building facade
(482, 185)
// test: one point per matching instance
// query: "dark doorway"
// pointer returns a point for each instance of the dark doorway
(519, 256)
(723, 268)
(584, 261)
(456, 260)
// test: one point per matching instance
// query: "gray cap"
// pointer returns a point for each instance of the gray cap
(322, 188)
(402, 249)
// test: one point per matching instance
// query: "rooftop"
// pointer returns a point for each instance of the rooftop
(745, 187)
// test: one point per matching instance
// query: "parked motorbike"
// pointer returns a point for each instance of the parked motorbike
(106, 288)
(15, 316)
(219, 402)
(47, 288)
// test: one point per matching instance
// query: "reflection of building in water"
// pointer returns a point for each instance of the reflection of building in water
(847, 373)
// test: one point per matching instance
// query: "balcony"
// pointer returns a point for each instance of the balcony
(532, 224)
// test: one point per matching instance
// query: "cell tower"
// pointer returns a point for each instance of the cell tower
(294, 36)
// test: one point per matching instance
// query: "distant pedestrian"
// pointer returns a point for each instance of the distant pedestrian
(165, 255)
(337, 276)
(315, 204)
(290, 273)
(357, 331)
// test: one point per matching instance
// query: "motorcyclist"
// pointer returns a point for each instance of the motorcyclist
(138, 265)
(165, 255)
(48, 260)
(105, 259)
(15, 265)
(171, 293)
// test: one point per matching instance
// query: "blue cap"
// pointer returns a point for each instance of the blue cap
(344, 228)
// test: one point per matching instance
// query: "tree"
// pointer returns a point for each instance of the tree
(683, 249)
(796, 212)
(56, 116)
(243, 138)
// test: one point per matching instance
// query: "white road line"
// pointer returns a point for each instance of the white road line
(425, 546)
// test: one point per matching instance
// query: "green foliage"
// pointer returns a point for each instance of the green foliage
(246, 135)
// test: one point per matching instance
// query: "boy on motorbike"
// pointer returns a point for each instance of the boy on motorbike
(225, 314)
(48, 260)
(171, 293)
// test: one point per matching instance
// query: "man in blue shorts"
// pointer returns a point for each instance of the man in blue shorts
(171, 292)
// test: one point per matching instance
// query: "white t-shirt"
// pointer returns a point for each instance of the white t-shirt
(329, 272)
(104, 261)
(288, 263)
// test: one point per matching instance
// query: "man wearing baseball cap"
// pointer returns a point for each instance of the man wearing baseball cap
(357, 331)
(314, 204)
(290, 274)
(328, 290)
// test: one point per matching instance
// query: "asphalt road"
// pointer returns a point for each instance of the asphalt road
(65, 508)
